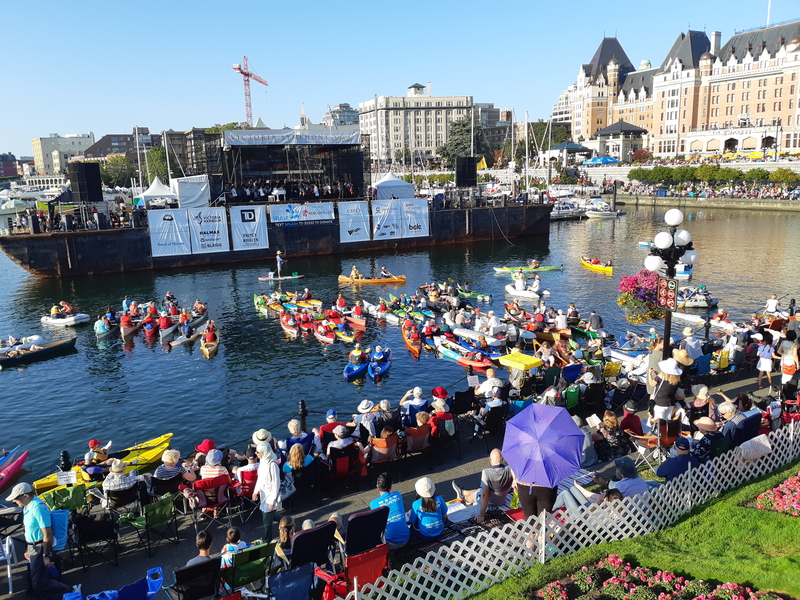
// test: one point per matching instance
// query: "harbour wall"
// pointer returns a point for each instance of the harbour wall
(757, 204)
(72, 254)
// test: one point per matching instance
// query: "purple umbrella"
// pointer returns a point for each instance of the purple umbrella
(543, 445)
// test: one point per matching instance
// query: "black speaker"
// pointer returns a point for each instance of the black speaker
(100, 220)
(85, 182)
(466, 171)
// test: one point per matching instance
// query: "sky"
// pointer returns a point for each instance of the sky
(75, 67)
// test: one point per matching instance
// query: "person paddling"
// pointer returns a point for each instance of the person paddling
(279, 260)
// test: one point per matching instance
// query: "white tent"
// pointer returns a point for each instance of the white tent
(157, 190)
(391, 185)
(192, 192)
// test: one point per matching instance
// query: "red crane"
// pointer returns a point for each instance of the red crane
(247, 75)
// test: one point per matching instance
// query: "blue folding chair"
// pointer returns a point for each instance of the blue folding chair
(571, 372)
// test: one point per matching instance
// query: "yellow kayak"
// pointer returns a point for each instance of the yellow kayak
(599, 268)
(398, 279)
(139, 457)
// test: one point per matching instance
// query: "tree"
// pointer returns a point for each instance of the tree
(757, 175)
(117, 171)
(539, 137)
(642, 155)
(459, 142)
(218, 128)
(403, 153)
(684, 173)
(639, 174)
(157, 164)
(785, 176)
(707, 172)
(729, 175)
(662, 174)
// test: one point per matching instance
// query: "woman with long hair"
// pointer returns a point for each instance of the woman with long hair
(610, 441)
(428, 512)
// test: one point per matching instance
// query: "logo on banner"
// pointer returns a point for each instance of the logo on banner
(248, 216)
(412, 227)
(353, 211)
(167, 217)
(352, 231)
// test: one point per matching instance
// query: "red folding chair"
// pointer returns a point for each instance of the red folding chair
(244, 494)
(209, 499)
(359, 570)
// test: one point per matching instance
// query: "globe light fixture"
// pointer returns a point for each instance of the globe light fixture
(674, 217)
(682, 237)
(663, 240)
(653, 263)
(690, 256)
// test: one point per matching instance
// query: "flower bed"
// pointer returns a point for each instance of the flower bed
(783, 499)
(614, 579)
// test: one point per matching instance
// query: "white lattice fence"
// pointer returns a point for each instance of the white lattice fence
(475, 564)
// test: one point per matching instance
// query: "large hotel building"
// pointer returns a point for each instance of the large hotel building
(704, 98)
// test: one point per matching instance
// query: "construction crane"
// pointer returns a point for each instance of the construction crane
(244, 69)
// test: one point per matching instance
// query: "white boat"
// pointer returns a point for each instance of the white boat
(605, 214)
(184, 340)
(69, 321)
(513, 291)
(647, 244)
(20, 343)
(387, 316)
(474, 335)
(165, 333)
(272, 277)
(699, 321)
(695, 297)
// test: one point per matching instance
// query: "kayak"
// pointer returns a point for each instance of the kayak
(528, 269)
(128, 331)
(210, 348)
(184, 340)
(352, 371)
(346, 336)
(292, 331)
(69, 321)
(44, 351)
(398, 280)
(22, 344)
(377, 369)
(415, 346)
(513, 291)
(598, 268)
(272, 277)
(114, 329)
(487, 352)
(474, 295)
(581, 330)
(9, 471)
(374, 310)
(471, 334)
(8, 455)
(137, 457)
(326, 338)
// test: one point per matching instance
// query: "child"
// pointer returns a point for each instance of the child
(203, 543)
(234, 544)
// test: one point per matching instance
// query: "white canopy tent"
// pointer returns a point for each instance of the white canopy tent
(192, 192)
(157, 190)
(392, 186)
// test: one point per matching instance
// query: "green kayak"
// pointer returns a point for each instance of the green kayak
(527, 269)
(474, 296)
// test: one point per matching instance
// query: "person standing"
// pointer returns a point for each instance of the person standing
(280, 260)
(39, 537)
(267, 487)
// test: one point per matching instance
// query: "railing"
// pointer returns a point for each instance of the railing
(471, 566)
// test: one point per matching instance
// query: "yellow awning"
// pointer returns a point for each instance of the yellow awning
(518, 360)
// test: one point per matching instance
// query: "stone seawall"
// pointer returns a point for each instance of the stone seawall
(731, 203)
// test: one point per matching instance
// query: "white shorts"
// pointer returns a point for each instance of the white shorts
(765, 365)
(662, 412)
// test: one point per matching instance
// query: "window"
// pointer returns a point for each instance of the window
(779, 80)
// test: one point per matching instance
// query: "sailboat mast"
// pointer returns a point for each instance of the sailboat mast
(527, 154)
(166, 150)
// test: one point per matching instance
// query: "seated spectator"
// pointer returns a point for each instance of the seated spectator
(441, 419)
(428, 513)
(365, 417)
(496, 483)
(423, 423)
(308, 524)
(297, 459)
(577, 496)
(117, 480)
(677, 465)
(203, 542)
(397, 532)
(212, 467)
(331, 422)
(233, 543)
(731, 417)
(170, 467)
(630, 484)
(298, 436)
(412, 402)
(588, 455)
(252, 463)
(630, 421)
(343, 438)
(485, 388)
(704, 439)
(610, 441)
(285, 540)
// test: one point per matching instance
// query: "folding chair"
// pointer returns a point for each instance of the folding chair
(248, 566)
(345, 465)
(8, 554)
(66, 498)
(122, 501)
(703, 366)
(720, 446)
(654, 449)
(417, 443)
(611, 370)
(494, 424)
(307, 483)
(312, 546)
(210, 499)
(158, 519)
(696, 412)
(570, 373)
(244, 494)
(365, 530)
(572, 396)
(94, 534)
(364, 568)
(384, 453)
(746, 430)
(294, 584)
(463, 403)
(161, 487)
(306, 441)
(195, 582)
(445, 443)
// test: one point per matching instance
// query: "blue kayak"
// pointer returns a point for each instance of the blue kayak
(8, 455)
(377, 370)
(488, 352)
(352, 371)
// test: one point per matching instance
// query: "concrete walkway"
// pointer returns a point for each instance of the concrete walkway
(134, 562)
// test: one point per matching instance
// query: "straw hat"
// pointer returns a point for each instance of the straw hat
(682, 356)
(440, 406)
(118, 466)
(700, 391)
(687, 331)
(262, 436)
(670, 367)
(365, 406)
(705, 424)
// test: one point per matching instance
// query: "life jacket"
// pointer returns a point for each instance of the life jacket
(66, 309)
(211, 337)
(382, 307)
(185, 318)
(213, 327)
(173, 310)
(164, 322)
(341, 303)
(357, 311)
(304, 318)
(151, 310)
(408, 324)
(148, 320)
(428, 330)
(126, 321)
(414, 335)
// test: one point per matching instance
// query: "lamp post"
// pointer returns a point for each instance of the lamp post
(671, 246)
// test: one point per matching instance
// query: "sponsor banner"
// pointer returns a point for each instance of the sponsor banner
(415, 217)
(386, 220)
(291, 137)
(353, 221)
(209, 230)
(169, 232)
(318, 211)
(249, 227)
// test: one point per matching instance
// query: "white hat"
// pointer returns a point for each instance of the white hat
(589, 377)
(757, 336)
(670, 367)
(425, 487)
(652, 330)
(340, 431)
(365, 406)
(279, 252)
(700, 391)
(440, 406)
(18, 490)
(118, 466)
(688, 331)
(262, 436)
(417, 392)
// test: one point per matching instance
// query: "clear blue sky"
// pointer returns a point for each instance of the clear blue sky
(74, 67)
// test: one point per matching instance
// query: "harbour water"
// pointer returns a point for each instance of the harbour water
(131, 392)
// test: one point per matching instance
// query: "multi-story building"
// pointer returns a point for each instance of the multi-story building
(8, 165)
(195, 148)
(417, 121)
(122, 143)
(704, 98)
(51, 154)
(341, 114)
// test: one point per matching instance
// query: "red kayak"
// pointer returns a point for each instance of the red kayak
(479, 362)
(415, 346)
(11, 470)
(357, 322)
(326, 338)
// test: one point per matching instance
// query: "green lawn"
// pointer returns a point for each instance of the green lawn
(721, 540)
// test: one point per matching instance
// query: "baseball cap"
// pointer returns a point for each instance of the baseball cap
(18, 490)
(682, 443)
(331, 414)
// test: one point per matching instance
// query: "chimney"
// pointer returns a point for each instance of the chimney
(716, 36)
(429, 88)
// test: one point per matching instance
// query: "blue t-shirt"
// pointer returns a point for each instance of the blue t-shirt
(36, 517)
(676, 466)
(396, 528)
(429, 524)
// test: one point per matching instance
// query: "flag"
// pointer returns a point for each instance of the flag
(482, 164)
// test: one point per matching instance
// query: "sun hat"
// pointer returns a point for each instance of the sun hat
(417, 391)
(670, 367)
(340, 431)
(682, 356)
(688, 331)
(214, 457)
(94, 443)
(623, 383)
(439, 392)
(705, 424)
(262, 436)
(18, 490)
(279, 252)
(626, 468)
(589, 378)
(630, 406)
(425, 487)
(204, 446)
(680, 394)
(365, 406)
(440, 406)
(118, 466)
(682, 443)
(331, 415)
(700, 391)
(757, 336)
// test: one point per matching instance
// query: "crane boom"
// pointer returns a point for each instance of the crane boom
(244, 70)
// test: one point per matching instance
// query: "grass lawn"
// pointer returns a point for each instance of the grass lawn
(719, 541)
